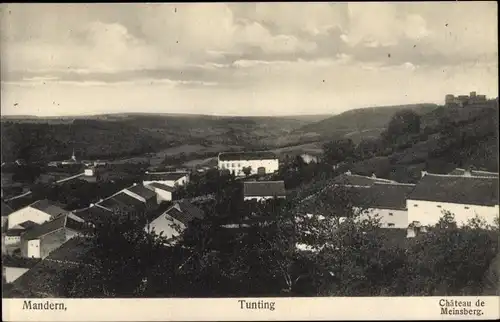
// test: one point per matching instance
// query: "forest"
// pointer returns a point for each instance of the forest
(411, 143)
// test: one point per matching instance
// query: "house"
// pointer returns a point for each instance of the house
(262, 162)
(263, 190)
(174, 220)
(172, 179)
(12, 237)
(43, 280)
(14, 267)
(92, 213)
(91, 174)
(121, 202)
(39, 212)
(39, 241)
(143, 194)
(354, 180)
(383, 201)
(10, 273)
(464, 196)
(162, 191)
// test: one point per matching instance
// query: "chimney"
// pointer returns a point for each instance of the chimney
(348, 172)
(374, 176)
(423, 173)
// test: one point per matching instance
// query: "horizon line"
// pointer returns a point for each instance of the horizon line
(210, 115)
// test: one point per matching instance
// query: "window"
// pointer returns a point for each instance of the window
(415, 205)
(466, 207)
(391, 214)
(439, 206)
(391, 224)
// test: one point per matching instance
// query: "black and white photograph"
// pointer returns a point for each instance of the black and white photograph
(250, 151)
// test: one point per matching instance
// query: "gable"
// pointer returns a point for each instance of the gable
(29, 213)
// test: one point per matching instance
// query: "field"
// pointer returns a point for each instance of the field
(156, 158)
(136, 137)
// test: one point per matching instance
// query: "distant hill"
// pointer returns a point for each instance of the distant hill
(449, 138)
(353, 122)
(135, 134)
(119, 116)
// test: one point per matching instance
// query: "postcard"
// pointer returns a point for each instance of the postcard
(250, 161)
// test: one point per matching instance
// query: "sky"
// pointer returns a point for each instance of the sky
(242, 58)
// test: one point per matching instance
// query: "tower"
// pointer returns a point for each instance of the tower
(73, 157)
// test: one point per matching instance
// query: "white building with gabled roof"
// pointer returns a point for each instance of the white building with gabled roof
(259, 162)
(172, 179)
(463, 195)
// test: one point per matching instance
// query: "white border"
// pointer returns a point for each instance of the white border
(229, 309)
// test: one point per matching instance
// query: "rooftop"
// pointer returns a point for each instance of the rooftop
(142, 191)
(28, 224)
(50, 226)
(14, 232)
(162, 186)
(121, 201)
(127, 200)
(109, 203)
(44, 279)
(358, 180)
(382, 196)
(258, 155)
(48, 207)
(92, 213)
(164, 176)
(263, 188)
(473, 173)
(185, 212)
(14, 261)
(457, 189)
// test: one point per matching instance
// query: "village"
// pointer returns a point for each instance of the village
(249, 151)
(42, 231)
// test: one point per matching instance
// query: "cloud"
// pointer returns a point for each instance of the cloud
(319, 54)
(381, 24)
(300, 18)
(168, 35)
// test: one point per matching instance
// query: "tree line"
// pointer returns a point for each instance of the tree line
(406, 146)
(349, 257)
